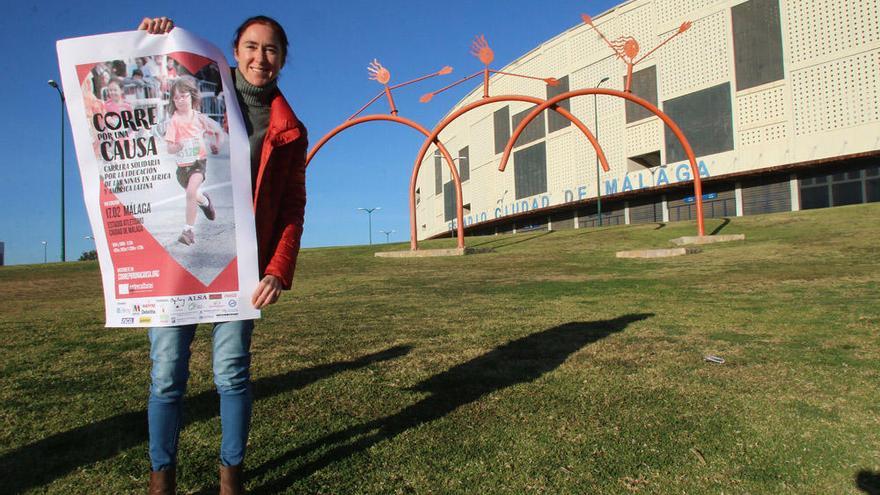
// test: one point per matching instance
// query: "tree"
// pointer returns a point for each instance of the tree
(88, 255)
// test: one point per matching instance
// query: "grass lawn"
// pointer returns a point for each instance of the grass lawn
(546, 366)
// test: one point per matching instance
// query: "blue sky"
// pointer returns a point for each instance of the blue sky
(325, 80)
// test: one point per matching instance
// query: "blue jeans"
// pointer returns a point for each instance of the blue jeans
(170, 352)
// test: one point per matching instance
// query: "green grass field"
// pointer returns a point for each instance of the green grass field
(546, 366)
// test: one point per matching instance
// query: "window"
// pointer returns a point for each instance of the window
(872, 189)
(501, 120)
(644, 85)
(814, 197)
(532, 132)
(872, 184)
(555, 121)
(846, 187)
(757, 43)
(448, 201)
(464, 167)
(847, 193)
(705, 118)
(530, 170)
(438, 172)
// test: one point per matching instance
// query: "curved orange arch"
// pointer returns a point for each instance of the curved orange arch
(433, 137)
(695, 171)
(409, 123)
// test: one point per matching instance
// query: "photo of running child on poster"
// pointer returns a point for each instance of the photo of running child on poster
(166, 177)
(177, 101)
(188, 134)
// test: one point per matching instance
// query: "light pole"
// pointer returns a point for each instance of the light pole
(596, 124)
(387, 234)
(61, 95)
(44, 251)
(654, 182)
(370, 215)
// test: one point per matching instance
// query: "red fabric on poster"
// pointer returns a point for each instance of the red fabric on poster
(192, 62)
(82, 71)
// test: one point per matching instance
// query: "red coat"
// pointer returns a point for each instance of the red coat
(280, 195)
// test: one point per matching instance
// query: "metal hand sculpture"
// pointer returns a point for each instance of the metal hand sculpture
(382, 75)
(627, 48)
(378, 73)
(480, 49)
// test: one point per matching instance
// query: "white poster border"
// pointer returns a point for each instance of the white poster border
(124, 45)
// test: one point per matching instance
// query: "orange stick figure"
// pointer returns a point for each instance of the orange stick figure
(480, 49)
(382, 76)
(627, 48)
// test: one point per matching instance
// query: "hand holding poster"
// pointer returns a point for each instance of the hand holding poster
(165, 165)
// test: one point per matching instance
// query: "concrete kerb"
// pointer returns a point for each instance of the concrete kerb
(657, 253)
(432, 253)
(707, 239)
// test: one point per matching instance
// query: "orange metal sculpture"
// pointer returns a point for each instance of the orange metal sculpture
(433, 137)
(698, 187)
(480, 49)
(382, 75)
(627, 48)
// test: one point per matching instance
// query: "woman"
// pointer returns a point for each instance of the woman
(278, 148)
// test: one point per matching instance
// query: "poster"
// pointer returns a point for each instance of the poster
(165, 166)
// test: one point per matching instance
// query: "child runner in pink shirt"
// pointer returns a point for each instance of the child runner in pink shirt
(186, 137)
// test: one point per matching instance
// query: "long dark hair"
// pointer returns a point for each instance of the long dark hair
(266, 21)
(185, 85)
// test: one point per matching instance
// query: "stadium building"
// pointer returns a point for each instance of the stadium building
(780, 100)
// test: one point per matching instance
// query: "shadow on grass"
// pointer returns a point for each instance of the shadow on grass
(510, 242)
(43, 461)
(868, 482)
(520, 361)
(660, 226)
(720, 227)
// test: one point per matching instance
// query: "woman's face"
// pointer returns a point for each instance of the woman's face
(182, 101)
(114, 92)
(259, 54)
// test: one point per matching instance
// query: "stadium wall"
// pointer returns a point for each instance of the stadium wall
(780, 100)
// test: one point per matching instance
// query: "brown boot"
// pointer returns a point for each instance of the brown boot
(231, 480)
(163, 482)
